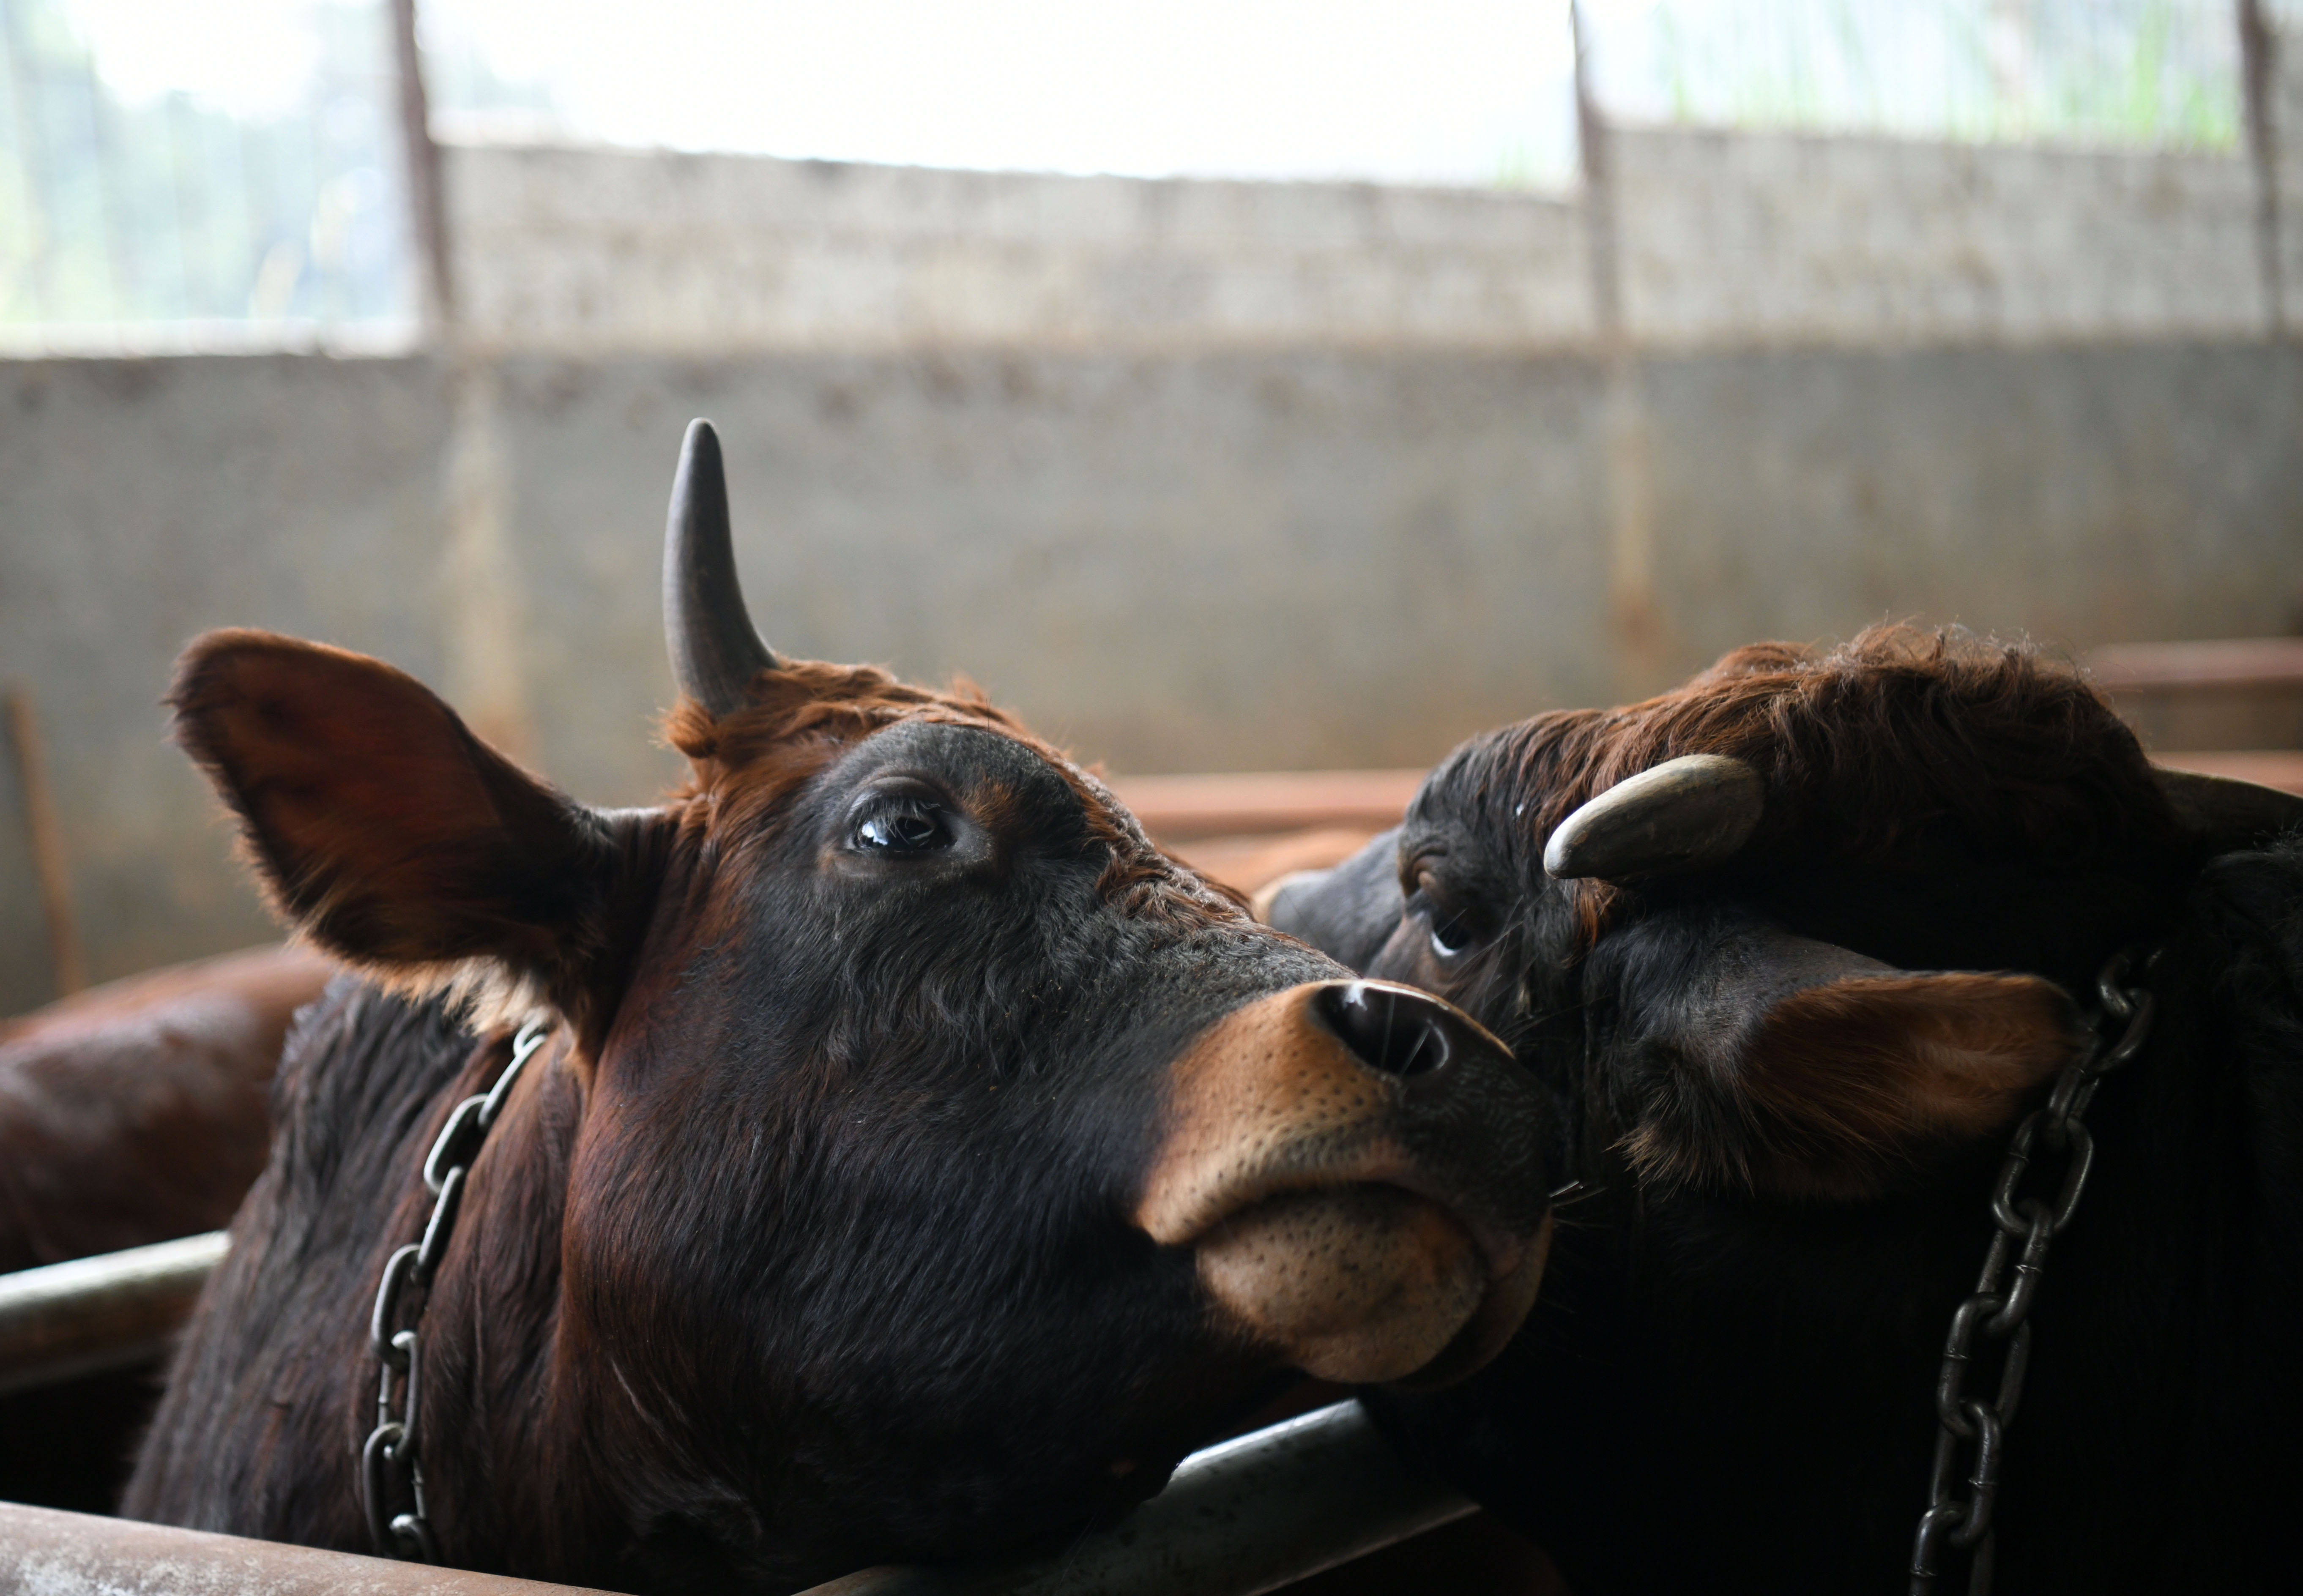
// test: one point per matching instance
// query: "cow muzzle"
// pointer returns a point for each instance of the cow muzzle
(1360, 1171)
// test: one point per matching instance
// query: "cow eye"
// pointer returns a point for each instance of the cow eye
(1449, 936)
(902, 831)
(1455, 927)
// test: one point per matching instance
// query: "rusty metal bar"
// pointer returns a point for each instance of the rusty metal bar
(2224, 664)
(77, 1554)
(66, 1320)
(1238, 1519)
(1176, 806)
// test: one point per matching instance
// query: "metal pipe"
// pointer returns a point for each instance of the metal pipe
(64, 1320)
(1237, 1519)
(78, 1554)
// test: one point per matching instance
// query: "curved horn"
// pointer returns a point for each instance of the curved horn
(715, 650)
(1682, 815)
(2227, 813)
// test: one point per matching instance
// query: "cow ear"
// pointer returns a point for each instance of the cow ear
(1797, 1069)
(384, 828)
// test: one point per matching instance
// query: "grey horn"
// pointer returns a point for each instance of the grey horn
(2228, 813)
(716, 649)
(1682, 815)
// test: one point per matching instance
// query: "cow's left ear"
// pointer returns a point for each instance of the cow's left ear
(1757, 1059)
(384, 830)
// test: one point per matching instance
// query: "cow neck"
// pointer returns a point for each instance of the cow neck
(1999, 1309)
(391, 1473)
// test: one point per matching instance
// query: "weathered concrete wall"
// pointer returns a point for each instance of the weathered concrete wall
(1725, 238)
(1745, 237)
(604, 249)
(141, 502)
(1220, 560)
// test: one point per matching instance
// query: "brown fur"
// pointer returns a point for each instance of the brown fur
(746, 764)
(1903, 728)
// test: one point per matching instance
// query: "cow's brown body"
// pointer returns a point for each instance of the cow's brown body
(135, 1112)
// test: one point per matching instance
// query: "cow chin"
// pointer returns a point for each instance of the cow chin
(1369, 1284)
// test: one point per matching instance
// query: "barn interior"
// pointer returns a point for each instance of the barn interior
(1259, 400)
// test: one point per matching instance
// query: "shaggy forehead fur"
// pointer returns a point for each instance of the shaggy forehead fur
(1895, 738)
(745, 766)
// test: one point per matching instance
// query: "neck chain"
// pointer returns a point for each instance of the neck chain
(1999, 1310)
(391, 1479)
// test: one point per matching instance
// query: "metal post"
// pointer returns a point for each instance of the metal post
(48, 838)
(426, 204)
(2256, 46)
(1624, 420)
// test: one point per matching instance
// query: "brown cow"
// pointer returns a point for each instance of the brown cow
(917, 1160)
(1797, 945)
(134, 1112)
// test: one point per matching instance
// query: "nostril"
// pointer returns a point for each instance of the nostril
(1398, 1032)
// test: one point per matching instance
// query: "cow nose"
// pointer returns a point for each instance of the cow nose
(1396, 1030)
(1360, 1170)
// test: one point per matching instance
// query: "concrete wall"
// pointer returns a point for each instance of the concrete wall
(606, 249)
(1745, 237)
(141, 502)
(1209, 561)
(1725, 238)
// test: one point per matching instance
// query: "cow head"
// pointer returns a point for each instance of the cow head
(1798, 929)
(936, 1162)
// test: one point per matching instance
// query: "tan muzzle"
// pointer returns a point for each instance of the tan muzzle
(1361, 1169)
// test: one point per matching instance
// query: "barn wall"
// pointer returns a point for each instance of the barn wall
(1217, 560)
(1725, 239)
(598, 248)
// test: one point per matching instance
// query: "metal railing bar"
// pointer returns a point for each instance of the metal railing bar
(61, 1321)
(1238, 1519)
(1241, 1518)
(78, 1554)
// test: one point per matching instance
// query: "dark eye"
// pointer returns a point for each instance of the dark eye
(1455, 927)
(1449, 935)
(902, 831)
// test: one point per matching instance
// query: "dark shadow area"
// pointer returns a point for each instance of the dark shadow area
(70, 1445)
(1472, 1557)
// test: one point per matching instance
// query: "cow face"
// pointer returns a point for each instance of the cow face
(935, 1161)
(1799, 928)
(1793, 943)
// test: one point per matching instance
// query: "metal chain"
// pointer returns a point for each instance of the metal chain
(1997, 1311)
(390, 1476)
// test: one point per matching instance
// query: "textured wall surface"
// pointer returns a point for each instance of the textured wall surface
(592, 249)
(1725, 239)
(1226, 559)
(141, 502)
(1743, 237)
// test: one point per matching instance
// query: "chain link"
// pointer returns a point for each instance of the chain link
(1999, 1309)
(391, 1478)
